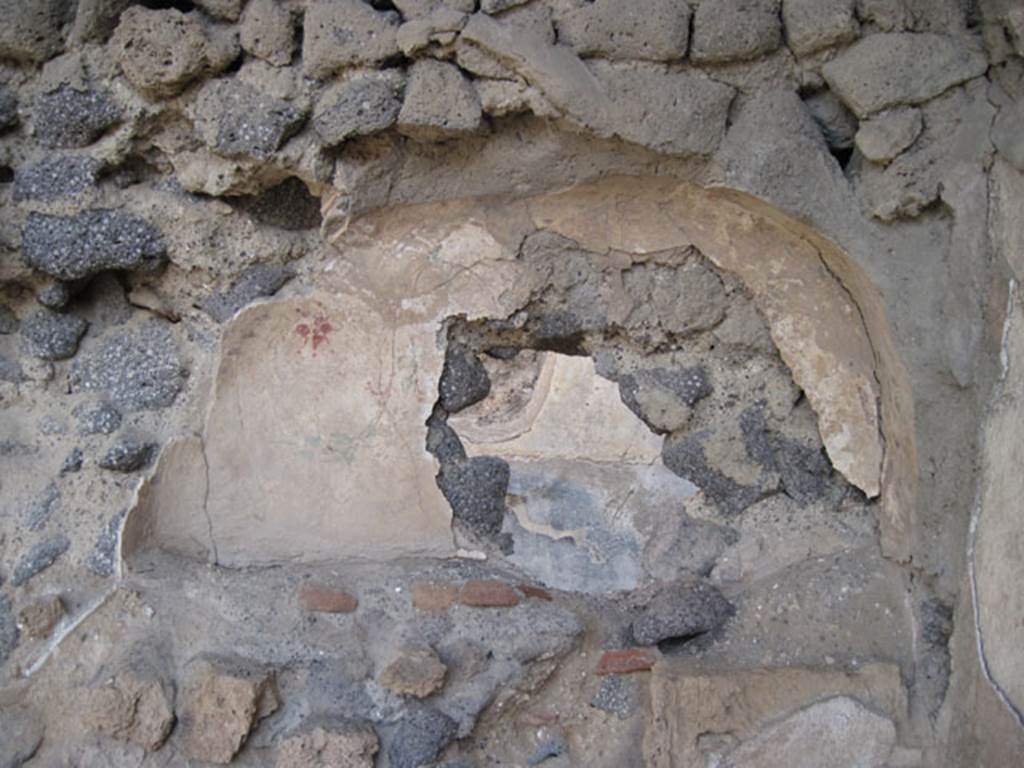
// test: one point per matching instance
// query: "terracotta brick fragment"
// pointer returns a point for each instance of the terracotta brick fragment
(327, 600)
(488, 593)
(433, 597)
(529, 590)
(626, 660)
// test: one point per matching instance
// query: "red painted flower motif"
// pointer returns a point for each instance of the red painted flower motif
(315, 332)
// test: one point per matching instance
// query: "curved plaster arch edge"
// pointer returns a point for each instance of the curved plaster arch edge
(668, 200)
(899, 473)
(895, 477)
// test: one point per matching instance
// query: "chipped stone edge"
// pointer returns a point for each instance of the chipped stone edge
(976, 511)
(71, 623)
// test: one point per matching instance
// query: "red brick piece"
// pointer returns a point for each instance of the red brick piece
(488, 593)
(529, 590)
(626, 660)
(434, 598)
(326, 600)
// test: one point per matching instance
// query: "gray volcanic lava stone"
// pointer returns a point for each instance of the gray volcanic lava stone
(8, 109)
(681, 612)
(127, 456)
(56, 177)
(39, 558)
(420, 738)
(8, 628)
(255, 282)
(103, 559)
(476, 490)
(52, 336)
(97, 418)
(464, 380)
(69, 118)
(137, 370)
(359, 107)
(73, 247)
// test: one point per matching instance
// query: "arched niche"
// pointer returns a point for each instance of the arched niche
(313, 441)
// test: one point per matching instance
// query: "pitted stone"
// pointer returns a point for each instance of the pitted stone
(882, 137)
(338, 34)
(136, 370)
(238, 119)
(128, 456)
(31, 31)
(653, 30)
(74, 247)
(729, 30)
(681, 613)
(887, 70)
(268, 31)
(815, 24)
(439, 103)
(97, 419)
(39, 558)
(56, 177)
(258, 281)
(162, 51)
(68, 117)
(51, 335)
(8, 108)
(357, 107)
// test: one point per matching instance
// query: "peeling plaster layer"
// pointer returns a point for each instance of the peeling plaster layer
(401, 273)
(814, 321)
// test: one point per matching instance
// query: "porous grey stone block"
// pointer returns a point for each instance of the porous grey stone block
(31, 29)
(888, 133)
(136, 370)
(68, 118)
(238, 119)
(56, 177)
(338, 34)
(268, 31)
(731, 30)
(440, 103)
(812, 25)
(653, 30)
(887, 70)
(51, 335)
(74, 247)
(357, 107)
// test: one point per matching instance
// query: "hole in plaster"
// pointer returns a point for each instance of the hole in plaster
(616, 417)
(620, 408)
(6, 174)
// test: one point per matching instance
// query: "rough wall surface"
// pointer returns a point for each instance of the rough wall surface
(374, 371)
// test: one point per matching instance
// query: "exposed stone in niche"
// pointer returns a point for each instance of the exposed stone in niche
(628, 391)
(675, 349)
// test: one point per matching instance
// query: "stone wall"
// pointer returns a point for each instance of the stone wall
(679, 334)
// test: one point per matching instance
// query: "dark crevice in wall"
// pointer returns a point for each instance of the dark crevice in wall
(842, 155)
(289, 206)
(185, 6)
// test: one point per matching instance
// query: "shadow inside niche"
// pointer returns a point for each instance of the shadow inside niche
(289, 205)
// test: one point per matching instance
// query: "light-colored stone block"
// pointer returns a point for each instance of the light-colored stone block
(692, 702)
(839, 733)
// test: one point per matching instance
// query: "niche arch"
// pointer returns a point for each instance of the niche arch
(312, 441)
